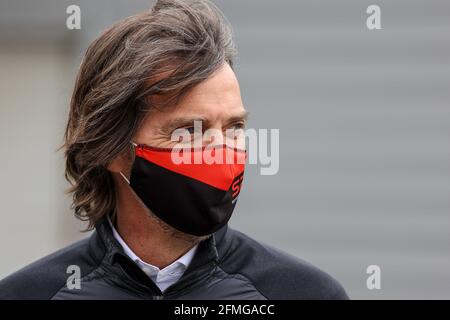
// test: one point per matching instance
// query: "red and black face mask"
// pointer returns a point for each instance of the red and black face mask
(195, 197)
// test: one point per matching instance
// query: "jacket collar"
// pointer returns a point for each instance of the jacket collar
(206, 256)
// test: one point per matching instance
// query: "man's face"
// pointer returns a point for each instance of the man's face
(216, 102)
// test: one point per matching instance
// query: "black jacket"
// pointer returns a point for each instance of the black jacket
(228, 265)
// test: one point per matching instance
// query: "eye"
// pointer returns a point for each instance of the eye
(191, 129)
(238, 125)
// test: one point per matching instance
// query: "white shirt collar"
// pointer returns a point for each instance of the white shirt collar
(165, 277)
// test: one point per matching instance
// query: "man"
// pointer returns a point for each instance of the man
(160, 226)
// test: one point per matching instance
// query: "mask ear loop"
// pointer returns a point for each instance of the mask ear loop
(125, 178)
(133, 155)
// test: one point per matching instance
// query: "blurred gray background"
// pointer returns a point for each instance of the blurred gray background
(364, 119)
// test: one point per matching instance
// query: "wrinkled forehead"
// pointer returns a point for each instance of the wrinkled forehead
(216, 99)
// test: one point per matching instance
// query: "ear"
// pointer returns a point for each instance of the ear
(121, 163)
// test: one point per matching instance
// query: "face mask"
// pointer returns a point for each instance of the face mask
(195, 198)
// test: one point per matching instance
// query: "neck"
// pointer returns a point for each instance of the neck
(148, 237)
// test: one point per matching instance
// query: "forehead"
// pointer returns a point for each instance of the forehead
(217, 97)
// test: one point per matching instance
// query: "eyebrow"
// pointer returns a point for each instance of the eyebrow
(181, 122)
(242, 116)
